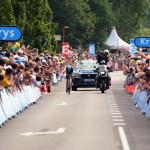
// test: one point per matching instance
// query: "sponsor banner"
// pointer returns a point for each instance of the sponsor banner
(10, 33)
(92, 49)
(142, 41)
(133, 48)
(65, 48)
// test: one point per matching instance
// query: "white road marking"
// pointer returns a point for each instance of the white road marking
(119, 120)
(59, 131)
(119, 124)
(112, 102)
(123, 138)
(115, 113)
(114, 110)
(113, 106)
(116, 116)
(63, 104)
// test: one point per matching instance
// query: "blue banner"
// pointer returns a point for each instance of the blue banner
(92, 49)
(10, 33)
(142, 41)
(133, 48)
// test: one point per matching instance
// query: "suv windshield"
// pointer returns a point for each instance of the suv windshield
(86, 64)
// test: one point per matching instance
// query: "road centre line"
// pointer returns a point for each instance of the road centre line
(63, 104)
(113, 106)
(112, 102)
(113, 111)
(123, 138)
(116, 113)
(115, 120)
(119, 124)
(117, 116)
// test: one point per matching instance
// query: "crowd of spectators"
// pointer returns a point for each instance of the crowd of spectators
(20, 65)
(137, 72)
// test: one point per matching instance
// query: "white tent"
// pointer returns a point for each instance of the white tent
(115, 42)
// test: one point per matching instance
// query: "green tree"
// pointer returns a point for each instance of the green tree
(35, 19)
(7, 13)
(104, 20)
(148, 17)
(19, 8)
(75, 14)
(130, 16)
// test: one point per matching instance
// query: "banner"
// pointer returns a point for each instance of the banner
(92, 49)
(133, 48)
(65, 48)
(10, 33)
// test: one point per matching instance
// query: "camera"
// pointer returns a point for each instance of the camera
(131, 69)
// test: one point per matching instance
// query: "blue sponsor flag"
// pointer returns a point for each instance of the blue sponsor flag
(133, 48)
(92, 49)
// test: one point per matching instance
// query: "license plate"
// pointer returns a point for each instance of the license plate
(89, 80)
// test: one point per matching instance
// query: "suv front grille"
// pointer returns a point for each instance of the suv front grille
(88, 76)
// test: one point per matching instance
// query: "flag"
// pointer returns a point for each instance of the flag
(92, 49)
(133, 48)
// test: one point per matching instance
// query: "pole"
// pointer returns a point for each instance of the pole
(98, 45)
(63, 35)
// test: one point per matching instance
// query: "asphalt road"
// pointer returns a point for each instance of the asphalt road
(84, 120)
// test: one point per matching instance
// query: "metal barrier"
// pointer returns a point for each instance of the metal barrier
(141, 99)
(11, 105)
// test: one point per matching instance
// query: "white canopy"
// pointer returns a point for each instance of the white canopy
(115, 42)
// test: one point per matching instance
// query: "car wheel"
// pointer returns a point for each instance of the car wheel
(74, 88)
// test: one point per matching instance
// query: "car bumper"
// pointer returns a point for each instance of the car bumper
(84, 82)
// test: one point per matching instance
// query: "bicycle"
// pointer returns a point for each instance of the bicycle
(68, 85)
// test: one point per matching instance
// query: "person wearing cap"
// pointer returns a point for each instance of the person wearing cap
(19, 54)
(102, 56)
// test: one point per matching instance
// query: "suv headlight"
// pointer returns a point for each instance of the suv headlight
(103, 73)
(76, 75)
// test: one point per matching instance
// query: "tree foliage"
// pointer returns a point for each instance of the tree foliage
(75, 14)
(104, 19)
(20, 13)
(130, 16)
(39, 27)
(7, 13)
(89, 21)
(34, 18)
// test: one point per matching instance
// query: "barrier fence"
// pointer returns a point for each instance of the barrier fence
(11, 105)
(140, 98)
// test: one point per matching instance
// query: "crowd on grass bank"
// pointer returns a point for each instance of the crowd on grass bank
(137, 72)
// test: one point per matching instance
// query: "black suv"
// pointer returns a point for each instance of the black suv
(84, 74)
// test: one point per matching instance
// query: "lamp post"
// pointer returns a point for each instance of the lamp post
(98, 46)
(65, 27)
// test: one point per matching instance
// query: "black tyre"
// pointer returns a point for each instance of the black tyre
(69, 87)
(103, 86)
(74, 88)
